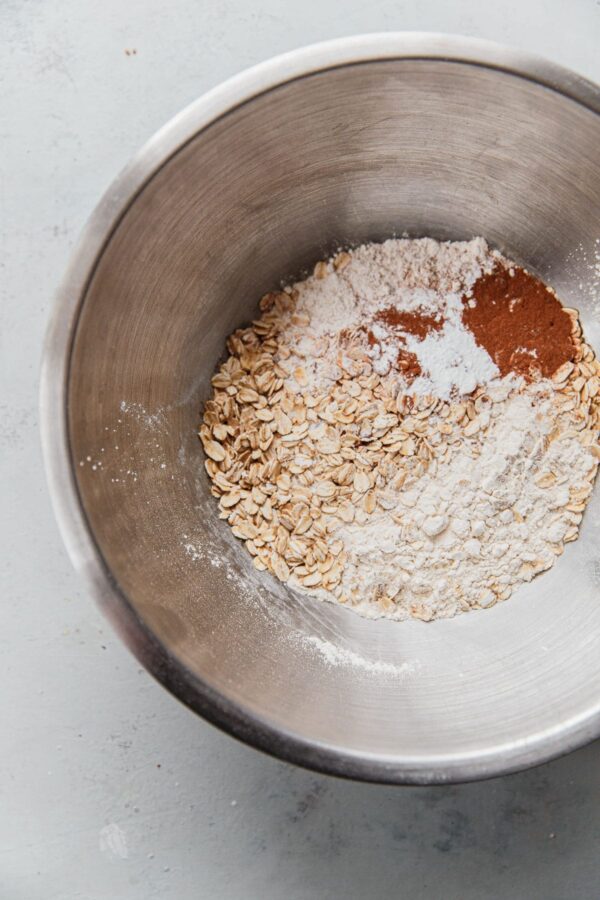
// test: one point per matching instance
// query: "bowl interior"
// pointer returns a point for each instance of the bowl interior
(350, 154)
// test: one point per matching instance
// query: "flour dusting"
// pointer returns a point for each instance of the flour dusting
(334, 655)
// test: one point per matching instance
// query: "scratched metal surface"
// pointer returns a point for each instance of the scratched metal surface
(111, 789)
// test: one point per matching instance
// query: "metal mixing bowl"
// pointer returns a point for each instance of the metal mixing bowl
(340, 143)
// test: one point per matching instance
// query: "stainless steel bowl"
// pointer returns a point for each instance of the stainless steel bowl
(340, 143)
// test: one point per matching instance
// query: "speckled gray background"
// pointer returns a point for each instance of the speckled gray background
(108, 787)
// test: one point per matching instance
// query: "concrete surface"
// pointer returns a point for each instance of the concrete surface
(108, 787)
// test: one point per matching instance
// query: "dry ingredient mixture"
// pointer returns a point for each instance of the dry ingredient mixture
(411, 431)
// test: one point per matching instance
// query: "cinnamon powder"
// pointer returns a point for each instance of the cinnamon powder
(417, 324)
(512, 315)
(408, 364)
(519, 322)
(401, 322)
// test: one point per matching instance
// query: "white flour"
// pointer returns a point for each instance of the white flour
(451, 361)
(408, 274)
(420, 276)
(334, 655)
(477, 526)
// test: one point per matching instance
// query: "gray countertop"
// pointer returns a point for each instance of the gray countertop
(108, 787)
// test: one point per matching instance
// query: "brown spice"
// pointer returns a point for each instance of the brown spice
(417, 324)
(520, 322)
(414, 323)
(408, 364)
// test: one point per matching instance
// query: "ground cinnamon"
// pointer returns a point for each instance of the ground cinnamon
(513, 315)
(417, 324)
(520, 322)
(400, 322)
(408, 364)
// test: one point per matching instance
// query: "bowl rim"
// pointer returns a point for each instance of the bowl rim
(77, 535)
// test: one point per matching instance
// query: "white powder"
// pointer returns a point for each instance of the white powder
(478, 524)
(420, 276)
(409, 274)
(154, 420)
(452, 361)
(334, 655)
(585, 261)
